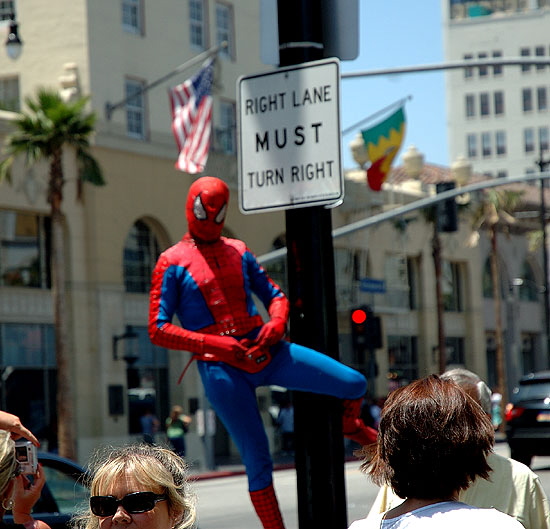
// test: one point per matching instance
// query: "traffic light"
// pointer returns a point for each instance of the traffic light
(366, 332)
(447, 212)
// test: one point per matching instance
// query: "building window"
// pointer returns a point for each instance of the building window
(527, 99)
(402, 360)
(470, 106)
(397, 281)
(525, 52)
(9, 93)
(454, 350)
(543, 139)
(529, 140)
(486, 144)
(498, 99)
(484, 104)
(500, 142)
(132, 16)
(29, 381)
(147, 382)
(225, 134)
(450, 286)
(141, 251)
(135, 109)
(25, 241)
(224, 29)
(540, 51)
(197, 23)
(483, 70)
(542, 101)
(502, 173)
(497, 70)
(529, 289)
(7, 9)
(471, 140)
(468, 72)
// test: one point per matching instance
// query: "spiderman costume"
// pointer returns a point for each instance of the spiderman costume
(207, 281)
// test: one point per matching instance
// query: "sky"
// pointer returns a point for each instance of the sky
(398, 33)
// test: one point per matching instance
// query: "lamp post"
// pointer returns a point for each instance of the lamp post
(543, 165)
(13, 42)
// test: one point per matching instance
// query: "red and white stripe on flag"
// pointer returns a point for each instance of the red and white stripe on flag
(191, 104)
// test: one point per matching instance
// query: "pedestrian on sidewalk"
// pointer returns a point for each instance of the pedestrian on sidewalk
(432, 443)
(512, 487)
(285, 422)
(177, 425)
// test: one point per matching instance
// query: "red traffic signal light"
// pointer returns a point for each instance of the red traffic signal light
(359, 316)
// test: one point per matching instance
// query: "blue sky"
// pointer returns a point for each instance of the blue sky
(392, 34)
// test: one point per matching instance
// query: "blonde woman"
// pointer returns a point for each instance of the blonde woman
(142, 485)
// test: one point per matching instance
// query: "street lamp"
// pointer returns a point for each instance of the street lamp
(130, 355)
(13, 42)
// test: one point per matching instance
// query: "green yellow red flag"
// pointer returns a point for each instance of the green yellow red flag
(382, 143)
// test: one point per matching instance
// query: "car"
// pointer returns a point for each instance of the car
(64, 493)
(527, 418)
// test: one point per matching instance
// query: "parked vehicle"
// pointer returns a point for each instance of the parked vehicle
(63, 494)
(528, 418)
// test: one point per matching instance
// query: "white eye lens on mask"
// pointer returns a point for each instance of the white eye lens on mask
(221, 215)
(198, 209)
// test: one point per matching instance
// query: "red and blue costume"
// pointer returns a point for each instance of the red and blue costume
(207, 281)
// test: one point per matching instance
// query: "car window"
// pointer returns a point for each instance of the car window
(533, 391)
(69, 494)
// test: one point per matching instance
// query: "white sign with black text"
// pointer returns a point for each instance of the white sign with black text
(289, 137)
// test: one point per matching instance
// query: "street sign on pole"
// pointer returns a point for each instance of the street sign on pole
(289, 137)
(374, 286)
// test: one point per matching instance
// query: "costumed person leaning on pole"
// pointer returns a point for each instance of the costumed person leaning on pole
(207, 281)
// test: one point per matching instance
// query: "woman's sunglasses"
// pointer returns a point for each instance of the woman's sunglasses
(133, 503)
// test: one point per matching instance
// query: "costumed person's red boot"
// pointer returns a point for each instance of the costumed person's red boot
(353, 426)
(267, 508)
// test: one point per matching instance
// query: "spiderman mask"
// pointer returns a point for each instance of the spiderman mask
(206, 208)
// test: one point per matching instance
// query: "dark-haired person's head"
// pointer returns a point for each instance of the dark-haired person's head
(432, 442)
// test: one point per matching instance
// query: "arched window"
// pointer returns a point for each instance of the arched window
(528, 290)
(141, 251)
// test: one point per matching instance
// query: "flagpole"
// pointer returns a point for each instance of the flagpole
(400, 102)
(111, 107)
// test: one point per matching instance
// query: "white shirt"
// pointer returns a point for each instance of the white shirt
(448, 514)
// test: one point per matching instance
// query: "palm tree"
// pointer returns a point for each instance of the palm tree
(495, 211)
(50, 126)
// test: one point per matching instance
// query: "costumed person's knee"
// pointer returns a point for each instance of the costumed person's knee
(357, 385)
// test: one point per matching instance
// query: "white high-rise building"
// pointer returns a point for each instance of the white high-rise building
(498, 117)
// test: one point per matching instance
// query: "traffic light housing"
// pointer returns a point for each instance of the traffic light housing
(366, 331)
(447, 211)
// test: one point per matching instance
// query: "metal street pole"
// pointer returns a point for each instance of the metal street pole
(543, 164)
(319, 445)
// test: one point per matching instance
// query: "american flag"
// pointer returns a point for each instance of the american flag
(191, 105)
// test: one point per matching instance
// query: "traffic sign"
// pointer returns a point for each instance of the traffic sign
(289, 137)
(375, 286)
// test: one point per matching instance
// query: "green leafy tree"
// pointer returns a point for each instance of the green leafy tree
(494, 211)
(50, 126)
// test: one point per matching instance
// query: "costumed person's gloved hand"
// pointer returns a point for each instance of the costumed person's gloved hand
(223, 347)
(271, 332)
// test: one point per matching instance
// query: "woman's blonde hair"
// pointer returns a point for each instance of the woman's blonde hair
(8, 462)
(155, 468)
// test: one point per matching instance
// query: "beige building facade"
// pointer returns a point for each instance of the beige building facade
(108, 50)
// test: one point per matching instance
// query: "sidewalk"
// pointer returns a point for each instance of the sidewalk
(234, 467)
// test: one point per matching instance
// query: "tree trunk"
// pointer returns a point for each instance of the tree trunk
(441, 345)
(500, 361)
(65, 419)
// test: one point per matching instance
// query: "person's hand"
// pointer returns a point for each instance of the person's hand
(224, 348)
(12, 423)
(271, 332)
(26, 495)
